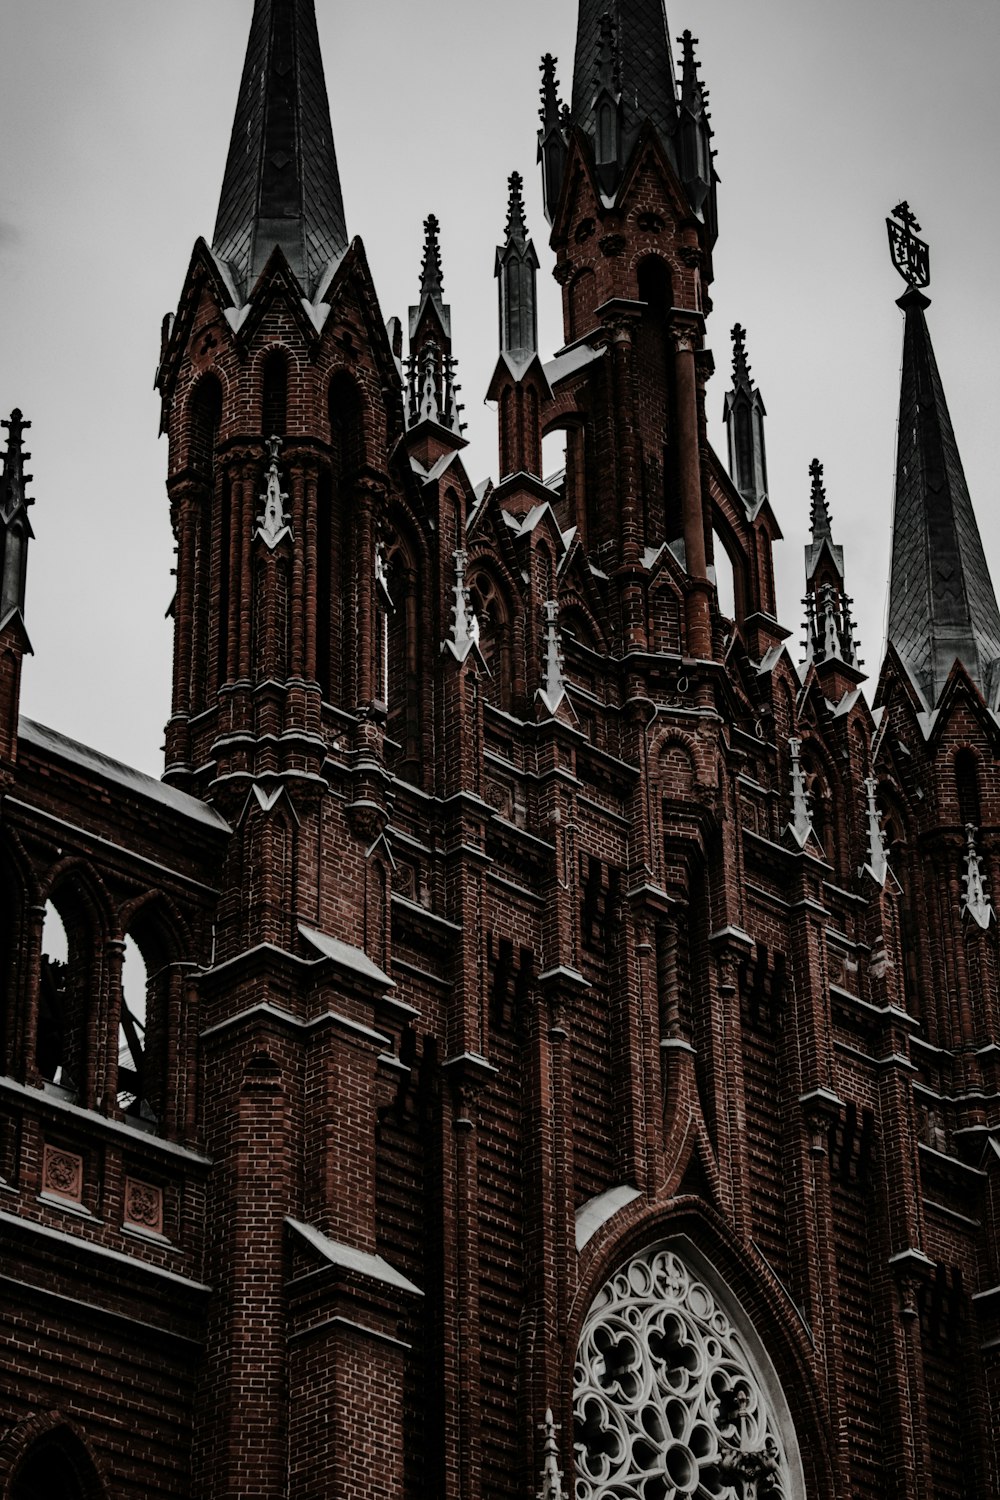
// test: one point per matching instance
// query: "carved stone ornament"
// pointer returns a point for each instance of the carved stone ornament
(669, 1398)
(62, 1173)
(143, 1205)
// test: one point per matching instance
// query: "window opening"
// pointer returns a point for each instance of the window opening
(132, 1035)
(51, 1039)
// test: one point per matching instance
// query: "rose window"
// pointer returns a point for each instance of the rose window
(669, 1401)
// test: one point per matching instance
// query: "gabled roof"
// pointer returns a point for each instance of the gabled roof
(281, 185)
(942, 604)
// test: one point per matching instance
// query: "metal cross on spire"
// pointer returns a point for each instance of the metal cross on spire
(911, 256)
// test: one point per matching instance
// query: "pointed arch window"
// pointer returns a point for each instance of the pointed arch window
(206, 419)
(63, 992)
(274, 396)
(967, 787)
(491, 611)
(336, 586)
(402, 661)
(674, 1393)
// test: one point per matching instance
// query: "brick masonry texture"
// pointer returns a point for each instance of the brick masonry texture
(463, 946)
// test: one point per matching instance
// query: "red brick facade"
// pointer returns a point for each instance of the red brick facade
(484, 960)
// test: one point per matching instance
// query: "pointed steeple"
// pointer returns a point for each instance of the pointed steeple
(552, 146)
(516, 265)
(829, 621)
(623, 47)
(695, 134)
(942, 604)
(432, 391)
(15, 528)
(744, 415)
(281, 185)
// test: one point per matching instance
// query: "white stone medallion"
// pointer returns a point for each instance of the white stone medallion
(674, 1395)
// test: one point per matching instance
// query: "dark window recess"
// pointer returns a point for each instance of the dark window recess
(510, 981)
(275, 395)
(600, 883)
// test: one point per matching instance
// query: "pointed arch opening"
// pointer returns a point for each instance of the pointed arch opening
(274, 394)
(967, 788)
(12, 935)
(336, 586)
(55, 1466)
(492, 610)
(674, 1392)
(205, 422)
(655, 377)
(62, 992)
(399, 639)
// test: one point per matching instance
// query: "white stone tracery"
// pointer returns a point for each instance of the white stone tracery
(669, 1400)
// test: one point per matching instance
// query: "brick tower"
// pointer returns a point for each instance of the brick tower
(563, 1053)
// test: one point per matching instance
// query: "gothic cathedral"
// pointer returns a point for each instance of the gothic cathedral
(540, 1038)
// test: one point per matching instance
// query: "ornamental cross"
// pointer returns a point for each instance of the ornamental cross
(910, 255)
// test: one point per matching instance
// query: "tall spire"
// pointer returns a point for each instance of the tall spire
(744, 417)
(516, 265)
(829, 621)
(639, 68)
(281, 185)
(432, 391)
(15, 528)
(942, 603)
(695, 134)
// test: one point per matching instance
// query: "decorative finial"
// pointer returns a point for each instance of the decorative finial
(819, 510)
(741, 367)
(976, 903)
(273, 524)
(551, 110)
(551, 1473)
(464, 624)
(553, 691)
(14, 481)
(431, 277)
(801, 825)
(607, 57)
(517, 228)
(877, 864)
(910, 255)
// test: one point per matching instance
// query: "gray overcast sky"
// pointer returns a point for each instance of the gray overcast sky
(115, 118)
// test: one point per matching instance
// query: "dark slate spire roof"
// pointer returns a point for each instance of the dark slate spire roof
(281, 185)
(942, 604)
(643, 65)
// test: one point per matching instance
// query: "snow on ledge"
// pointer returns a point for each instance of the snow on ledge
(50, 741)
(597, 1211)
(350, 1259)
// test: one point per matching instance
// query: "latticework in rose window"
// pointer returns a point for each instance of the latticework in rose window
(668, 1400)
